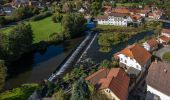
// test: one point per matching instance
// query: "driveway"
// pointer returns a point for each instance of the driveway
(161, 51)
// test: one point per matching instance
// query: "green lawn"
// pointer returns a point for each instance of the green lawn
(166, 56)
(41, 29)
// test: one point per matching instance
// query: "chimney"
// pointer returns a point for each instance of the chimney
(165, 70)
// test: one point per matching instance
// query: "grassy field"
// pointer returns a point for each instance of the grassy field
(166, 56)
(41, 29)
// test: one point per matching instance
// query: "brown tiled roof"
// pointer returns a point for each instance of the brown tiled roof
(138, 53)
(116, 80)
(166, 31)
(152, 42)
(136, 17)
(118, 14)
(158, 77)
(102, 17)
(164, 38)
(122, 10)
(107, 8)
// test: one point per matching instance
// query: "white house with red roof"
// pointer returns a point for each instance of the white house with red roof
(114, 83)
(165, 36)
(134, 56)
(151, 44)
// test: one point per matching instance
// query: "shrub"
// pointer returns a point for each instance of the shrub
(20, 93)
(41, 16)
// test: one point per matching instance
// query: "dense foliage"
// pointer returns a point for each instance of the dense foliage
(20, 93)
(80, 90)
(73, 25)
(20, 40)
(41, 16)
(2, 74)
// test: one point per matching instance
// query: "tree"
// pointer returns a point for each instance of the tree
(105, 63)
(20, 40)
(80, 90)
(2, 20)
(60, 95)
(3, 46)
(95, 8)
(2, 73)
(57, 17)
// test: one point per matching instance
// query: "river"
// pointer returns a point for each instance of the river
(36, 66)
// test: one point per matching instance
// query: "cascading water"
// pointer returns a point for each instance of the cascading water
(74, 55)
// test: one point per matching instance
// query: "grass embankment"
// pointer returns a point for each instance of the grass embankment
(42, 29)
(166, 56)
(128, 4)
(20, 93)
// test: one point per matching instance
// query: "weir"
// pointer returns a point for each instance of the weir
(71, 59)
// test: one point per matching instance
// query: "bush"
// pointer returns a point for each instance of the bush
(20, 93)
(41, 16)
(57, 17)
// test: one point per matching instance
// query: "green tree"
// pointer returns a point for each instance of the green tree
(2, 74)
(3, 46)
(60, 95)
(80, 90)
(20, 40)
(105, 63)
(95, 8)
(2, 20)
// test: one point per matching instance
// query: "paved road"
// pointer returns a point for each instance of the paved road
(161, 51)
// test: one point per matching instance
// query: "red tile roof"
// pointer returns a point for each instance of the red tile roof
(164, 38)
(158, 77)
(102, 17)
(121, 10)
(152, 42)
(115, 79)
(138, 53)
(118, 14)
(166, 31)
(136, 17)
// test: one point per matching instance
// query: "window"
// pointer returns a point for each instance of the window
(125, 61)
(137, 66)
(121, 59)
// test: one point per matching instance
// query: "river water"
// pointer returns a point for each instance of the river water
(36, 66)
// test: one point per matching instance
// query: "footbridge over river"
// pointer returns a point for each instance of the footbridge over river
(71, 59)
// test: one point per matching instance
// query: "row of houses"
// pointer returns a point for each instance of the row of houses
(122, 16)
(9, 8)
(134, 63)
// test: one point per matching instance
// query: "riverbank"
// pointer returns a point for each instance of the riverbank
(36, 66)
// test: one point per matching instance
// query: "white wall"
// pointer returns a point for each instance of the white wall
(166, 34)
(130, 62)
(147, 46)
(160, 94)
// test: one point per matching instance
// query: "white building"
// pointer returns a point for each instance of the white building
(117, 19)
(158, 82)
(134, 56)
(150, 44)
(165, 36)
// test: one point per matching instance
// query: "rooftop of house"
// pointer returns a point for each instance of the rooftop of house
(122, 10)
(164, 38)
(102, 17)
(136, 17)
(138, 53)
(158, 77)
(152, 42)
(115, 79)
(118, 14)
(165, 31)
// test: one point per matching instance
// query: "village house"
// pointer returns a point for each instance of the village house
(158, 82)
(165, 36)
(151, 44)
(114, 83)
(117, 19)
(134, 56)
